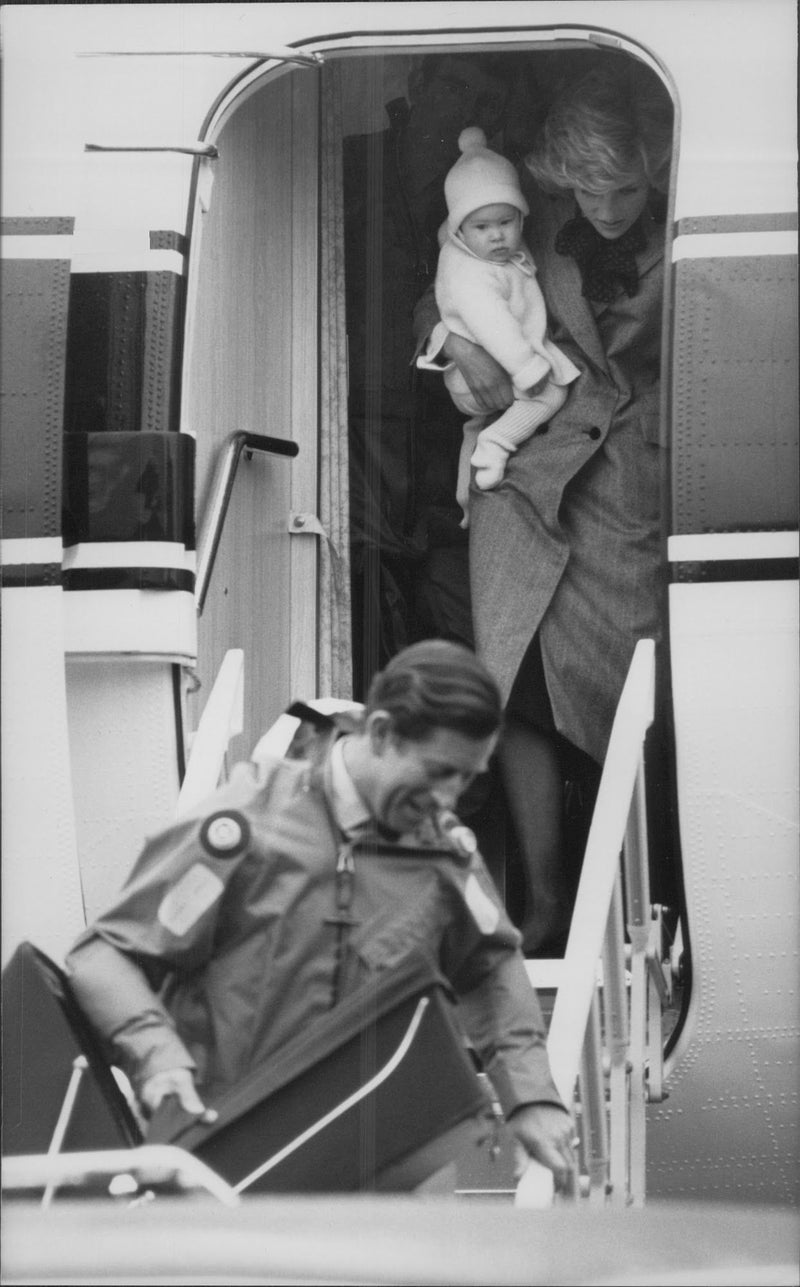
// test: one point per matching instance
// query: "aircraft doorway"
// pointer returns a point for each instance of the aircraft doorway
(409, 550)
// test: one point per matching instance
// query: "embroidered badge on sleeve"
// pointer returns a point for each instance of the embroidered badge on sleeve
(184, 904)
(225, 835)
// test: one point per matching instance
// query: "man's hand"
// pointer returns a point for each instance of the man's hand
(178, 1082)
(488, 382)
(547, 1133)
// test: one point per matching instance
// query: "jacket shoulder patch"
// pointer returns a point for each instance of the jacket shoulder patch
(485, 913)
(184, 904)
(225, 834)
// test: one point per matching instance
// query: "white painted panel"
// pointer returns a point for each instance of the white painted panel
(122, 197)
(44, 247)
(148, 622)
(714, 184)
(124, 765)
(98, 250)
(695, 547)
(41, 890)
(729, 1128)
(122, 259)
(32, 549)
(733, 63)
(62, 101)
(130, 554)
(723, 245)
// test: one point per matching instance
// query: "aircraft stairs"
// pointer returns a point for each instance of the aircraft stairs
(608, 994)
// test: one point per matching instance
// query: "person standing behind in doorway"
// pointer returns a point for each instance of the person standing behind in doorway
(404, 433)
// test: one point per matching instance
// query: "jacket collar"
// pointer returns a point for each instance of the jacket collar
(349, 809)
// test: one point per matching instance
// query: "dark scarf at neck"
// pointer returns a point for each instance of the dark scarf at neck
(604, 265)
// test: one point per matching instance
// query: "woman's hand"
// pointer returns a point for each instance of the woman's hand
(488, 382)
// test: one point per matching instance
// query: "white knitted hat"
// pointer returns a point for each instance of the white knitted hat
(480, 177)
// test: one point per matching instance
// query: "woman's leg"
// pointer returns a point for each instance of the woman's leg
(532, 777)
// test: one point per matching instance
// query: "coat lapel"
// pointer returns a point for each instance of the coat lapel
(654, 252)
(560, 279)
(563, 293)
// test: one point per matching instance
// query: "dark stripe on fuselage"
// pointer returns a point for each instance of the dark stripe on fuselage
(166, 239)
(695, 225)
(17, 575)
(35, 226)
(128, 579)
(736, 570)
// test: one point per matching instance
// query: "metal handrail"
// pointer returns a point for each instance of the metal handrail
(214, 521)
(222, 719)
(575, 1047)
(151, 1165)
(600, 864)
(617, 1044)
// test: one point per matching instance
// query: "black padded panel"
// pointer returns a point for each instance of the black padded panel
(42, 1033)
(415, 1121)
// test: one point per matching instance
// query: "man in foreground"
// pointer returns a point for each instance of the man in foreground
(303, 877)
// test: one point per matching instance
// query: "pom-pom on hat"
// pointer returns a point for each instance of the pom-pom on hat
(480, 177)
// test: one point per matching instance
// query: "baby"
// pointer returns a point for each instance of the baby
(487, 292)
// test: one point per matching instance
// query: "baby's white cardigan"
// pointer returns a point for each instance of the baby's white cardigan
(501, 308)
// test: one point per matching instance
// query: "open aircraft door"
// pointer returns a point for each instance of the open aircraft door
(251, 393)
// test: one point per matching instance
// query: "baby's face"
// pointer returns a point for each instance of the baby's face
(493, 232)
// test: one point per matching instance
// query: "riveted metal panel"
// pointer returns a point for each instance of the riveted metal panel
(37, 226)
(166, 239)
(768, 222)
(730, 1127)
(128, 473)
(32, 356)
(163, 351)
(124, 351)
(734, 394)
(16, 575)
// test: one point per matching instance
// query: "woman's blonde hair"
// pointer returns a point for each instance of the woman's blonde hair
(605, 131)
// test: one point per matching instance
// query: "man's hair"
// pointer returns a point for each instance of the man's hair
(437, 684)
(605, 131)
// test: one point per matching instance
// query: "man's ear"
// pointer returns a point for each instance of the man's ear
(380, 729)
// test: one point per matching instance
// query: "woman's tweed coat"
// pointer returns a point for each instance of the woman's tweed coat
(569, 543)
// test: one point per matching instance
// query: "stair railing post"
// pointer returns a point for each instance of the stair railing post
(617, 1036)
